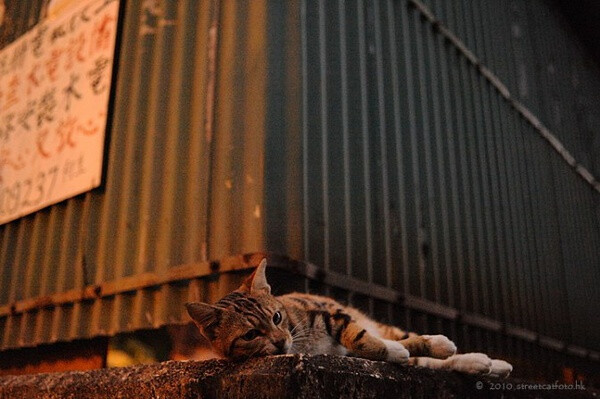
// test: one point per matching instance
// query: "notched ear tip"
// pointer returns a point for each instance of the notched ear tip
(261, 269)
(263, 263)
(259, 279)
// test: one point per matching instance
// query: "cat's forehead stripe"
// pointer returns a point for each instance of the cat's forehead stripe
(246, 313)
(243, 304)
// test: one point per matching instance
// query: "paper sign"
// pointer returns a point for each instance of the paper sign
(54, 91)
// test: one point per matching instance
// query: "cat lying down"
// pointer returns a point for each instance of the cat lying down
(251, 322)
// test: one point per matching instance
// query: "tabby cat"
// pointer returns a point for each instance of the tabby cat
(251, 322)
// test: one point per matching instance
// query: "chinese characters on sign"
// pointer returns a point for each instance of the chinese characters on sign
(54, 92)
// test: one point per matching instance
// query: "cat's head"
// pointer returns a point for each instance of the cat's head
(247, 322)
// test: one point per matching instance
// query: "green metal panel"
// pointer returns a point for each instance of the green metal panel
(450, 190)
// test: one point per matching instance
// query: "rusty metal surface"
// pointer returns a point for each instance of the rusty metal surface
(196, 89)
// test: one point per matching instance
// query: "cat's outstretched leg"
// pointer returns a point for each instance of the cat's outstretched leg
(438, 346)
(361, 343)
(468, 363)
(500, 368)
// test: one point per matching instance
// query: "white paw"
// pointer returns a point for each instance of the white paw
(396, 352)
(500, 368)
(471, 363)
(440, 346)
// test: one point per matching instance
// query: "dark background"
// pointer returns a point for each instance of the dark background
(584, 18)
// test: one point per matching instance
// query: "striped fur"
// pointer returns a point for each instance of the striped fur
(252, 322)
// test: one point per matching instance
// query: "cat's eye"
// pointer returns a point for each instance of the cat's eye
(250, 335)
(277, 318)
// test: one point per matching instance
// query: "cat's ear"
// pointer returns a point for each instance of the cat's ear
(205, 316)
(257, 282)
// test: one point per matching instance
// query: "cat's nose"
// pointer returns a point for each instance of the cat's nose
(280, 345)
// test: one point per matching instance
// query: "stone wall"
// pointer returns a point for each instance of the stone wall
(287, 376)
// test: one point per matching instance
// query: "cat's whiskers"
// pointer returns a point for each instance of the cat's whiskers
(300, 323)
(300, 343)
(299, 338)
(300, 334)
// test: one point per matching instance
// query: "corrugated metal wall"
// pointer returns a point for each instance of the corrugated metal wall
(529, 45)
(424, 169)
(360, 136)
(425, 174)
(184, 180)
(418, 167)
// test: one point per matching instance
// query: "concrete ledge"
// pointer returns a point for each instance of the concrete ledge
(288, 376)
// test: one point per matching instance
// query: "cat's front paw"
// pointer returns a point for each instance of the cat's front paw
(440, 346)
(396, 352)
(471, 363)
(500, 368)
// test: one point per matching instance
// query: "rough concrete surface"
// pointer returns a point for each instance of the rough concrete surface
(286, 376)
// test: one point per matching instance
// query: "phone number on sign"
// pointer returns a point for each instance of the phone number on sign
(28, 193)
